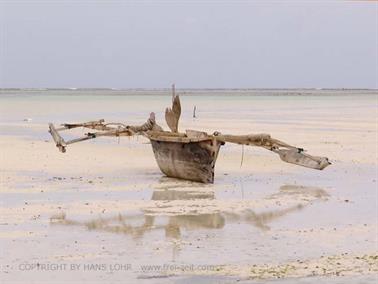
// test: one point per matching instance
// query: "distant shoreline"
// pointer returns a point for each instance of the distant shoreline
(187, 89)
(186, 92)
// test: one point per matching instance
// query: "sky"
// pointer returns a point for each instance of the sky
(194, 44)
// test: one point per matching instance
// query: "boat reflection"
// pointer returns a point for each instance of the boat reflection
(173, 222)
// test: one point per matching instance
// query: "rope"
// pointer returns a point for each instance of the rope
(242, 157)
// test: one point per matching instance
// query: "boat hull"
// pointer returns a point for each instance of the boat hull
(191, 161)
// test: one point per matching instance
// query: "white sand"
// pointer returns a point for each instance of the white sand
(104, 202)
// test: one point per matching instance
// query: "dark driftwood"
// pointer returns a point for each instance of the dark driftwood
(190, 155)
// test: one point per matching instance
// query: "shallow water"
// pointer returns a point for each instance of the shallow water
(261, 212)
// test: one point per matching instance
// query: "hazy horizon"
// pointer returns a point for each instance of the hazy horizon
(196, 45)
(167, 88)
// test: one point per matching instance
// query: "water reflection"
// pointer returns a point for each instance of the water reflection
(173, 220)
(181, 195)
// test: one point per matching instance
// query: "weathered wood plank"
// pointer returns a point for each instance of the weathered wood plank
(59, 141)
(293, 156)
(172, 115)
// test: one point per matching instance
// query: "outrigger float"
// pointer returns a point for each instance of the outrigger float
(190, 155)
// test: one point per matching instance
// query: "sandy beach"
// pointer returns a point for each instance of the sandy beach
(103, 211)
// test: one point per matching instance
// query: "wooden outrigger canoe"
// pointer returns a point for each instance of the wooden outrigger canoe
(191, 155)
(189, 158)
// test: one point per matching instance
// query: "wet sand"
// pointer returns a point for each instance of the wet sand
(103, 212)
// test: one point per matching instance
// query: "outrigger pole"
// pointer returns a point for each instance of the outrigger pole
(201, 148)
